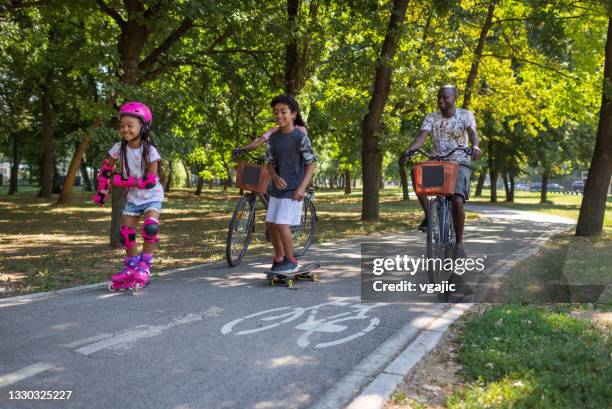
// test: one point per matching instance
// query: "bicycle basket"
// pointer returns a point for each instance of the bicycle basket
(436, 177)
(250, 176)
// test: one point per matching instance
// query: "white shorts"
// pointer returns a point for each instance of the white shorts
(284, 211)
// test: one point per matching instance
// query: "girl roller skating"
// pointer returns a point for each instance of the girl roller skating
(139, 162)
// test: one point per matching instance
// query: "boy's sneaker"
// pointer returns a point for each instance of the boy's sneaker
(275, 265)
(288, 266)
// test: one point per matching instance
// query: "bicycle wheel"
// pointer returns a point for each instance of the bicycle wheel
(240, 230)
(435, 247)
(303, 234)
(450, 237)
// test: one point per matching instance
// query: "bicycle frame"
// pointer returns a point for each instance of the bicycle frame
(444, 208)
(444, 203)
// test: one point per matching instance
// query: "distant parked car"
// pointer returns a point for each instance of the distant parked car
(521, 186)
(536, 187)
(577, 186)
(555, 187)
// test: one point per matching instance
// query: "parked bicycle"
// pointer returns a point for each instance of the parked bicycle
(252, 176)
(437, 178)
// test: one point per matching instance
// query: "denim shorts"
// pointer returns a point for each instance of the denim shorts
(132, 209)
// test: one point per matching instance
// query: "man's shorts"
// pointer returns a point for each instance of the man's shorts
(284, 211)
(132, 209)
(462, 187)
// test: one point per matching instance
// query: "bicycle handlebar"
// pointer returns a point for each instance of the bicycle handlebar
(239, 152)
(465, 149)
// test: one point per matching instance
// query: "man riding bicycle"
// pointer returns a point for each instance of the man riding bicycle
(450, 128)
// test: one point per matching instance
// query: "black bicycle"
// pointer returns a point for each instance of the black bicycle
(242, 225)
(437, 179)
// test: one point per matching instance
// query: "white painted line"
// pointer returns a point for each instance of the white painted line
(24, 373)
(87, 340)
(137, 333)
(124, 340)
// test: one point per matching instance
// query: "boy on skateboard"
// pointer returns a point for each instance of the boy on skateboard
(291, 163)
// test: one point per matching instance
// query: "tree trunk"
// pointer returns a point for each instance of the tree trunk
(404, 181)
(293, 65)
(347, 182)
(14, 178)
(87, 186)
(199, 186)
(506, 185)
(296, 59)
(469, 83)
(169, 179)
(510, 197)
(95, 178)
(494, 173)
(481, 179)
(544, 187)
(188, 181)
(75, 163)
(47, 132)
(593, 207)
(57, 181)
(371, 122)
(381, 177)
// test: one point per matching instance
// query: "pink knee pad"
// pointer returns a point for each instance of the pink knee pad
(150, 228)
(127, 237)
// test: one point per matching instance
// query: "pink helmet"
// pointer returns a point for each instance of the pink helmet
(137, 109)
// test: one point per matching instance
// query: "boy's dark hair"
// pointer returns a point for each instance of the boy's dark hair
(288, 100)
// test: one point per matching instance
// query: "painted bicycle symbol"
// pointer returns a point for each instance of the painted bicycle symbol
(334, 324)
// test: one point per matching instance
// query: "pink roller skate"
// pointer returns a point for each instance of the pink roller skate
(125, 279)
(141, 275)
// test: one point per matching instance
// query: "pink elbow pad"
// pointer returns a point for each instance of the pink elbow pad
(121, 181)
(104, 178)
(147, 183)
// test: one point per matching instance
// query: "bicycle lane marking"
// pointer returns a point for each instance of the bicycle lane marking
(332, 324)
(24, 373)
(123, 340)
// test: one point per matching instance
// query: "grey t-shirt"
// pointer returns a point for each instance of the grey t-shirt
(289, 153)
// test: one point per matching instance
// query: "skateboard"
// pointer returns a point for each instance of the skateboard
(305, 271)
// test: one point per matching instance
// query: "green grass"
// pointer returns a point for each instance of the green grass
(540, 356)
(566, 269)
(533, 357)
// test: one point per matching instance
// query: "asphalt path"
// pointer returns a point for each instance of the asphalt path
(219, 337)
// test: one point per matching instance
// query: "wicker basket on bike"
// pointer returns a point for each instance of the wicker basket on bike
(435, 177)
(252, 176)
